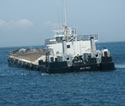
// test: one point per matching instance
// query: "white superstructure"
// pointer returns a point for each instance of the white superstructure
(67, 44)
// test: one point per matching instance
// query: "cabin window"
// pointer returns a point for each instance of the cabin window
(59, 39)
(68, 46)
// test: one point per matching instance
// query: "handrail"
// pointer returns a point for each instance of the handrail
(79, 37)
(87, 37)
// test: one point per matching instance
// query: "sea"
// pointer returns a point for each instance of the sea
(22, 87)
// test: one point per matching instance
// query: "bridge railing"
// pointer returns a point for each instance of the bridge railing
(87, 37)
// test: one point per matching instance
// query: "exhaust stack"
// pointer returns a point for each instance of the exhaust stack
(93, 46)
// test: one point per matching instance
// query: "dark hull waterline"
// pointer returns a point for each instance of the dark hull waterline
(81, 68)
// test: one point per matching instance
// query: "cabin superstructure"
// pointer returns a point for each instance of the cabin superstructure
(67, 44)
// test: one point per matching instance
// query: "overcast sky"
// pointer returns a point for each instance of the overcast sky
(30, 22)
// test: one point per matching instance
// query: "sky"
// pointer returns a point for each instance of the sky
(30, 22)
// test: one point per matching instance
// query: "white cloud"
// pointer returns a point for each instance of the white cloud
(24, 22)
(15, 23)
(2, 22)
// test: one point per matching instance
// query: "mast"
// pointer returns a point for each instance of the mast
(64, 48)
(65, 14)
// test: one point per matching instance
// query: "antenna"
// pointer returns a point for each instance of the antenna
(65, 14)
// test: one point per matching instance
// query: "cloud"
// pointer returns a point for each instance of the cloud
(2, 22)
(22, 23)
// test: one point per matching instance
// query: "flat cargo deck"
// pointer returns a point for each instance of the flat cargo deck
(27, 58)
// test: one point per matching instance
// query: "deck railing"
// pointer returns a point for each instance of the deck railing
(79, 37)
(49, 41)
(87, 37)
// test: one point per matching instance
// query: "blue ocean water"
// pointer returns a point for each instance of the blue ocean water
(21, 87)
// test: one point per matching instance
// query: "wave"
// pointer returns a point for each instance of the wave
(23, 74)
(44, 74)
(120, 66)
